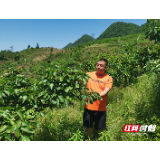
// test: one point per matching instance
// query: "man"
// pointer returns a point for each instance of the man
(100, 82)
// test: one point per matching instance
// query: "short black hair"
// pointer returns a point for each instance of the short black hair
(102, 59)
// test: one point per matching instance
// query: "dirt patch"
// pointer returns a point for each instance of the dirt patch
(44, 54)
(54, 52)
(39, 58)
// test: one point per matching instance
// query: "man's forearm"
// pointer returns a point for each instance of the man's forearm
(103, 93)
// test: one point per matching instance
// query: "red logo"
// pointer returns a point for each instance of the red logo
(131, 128)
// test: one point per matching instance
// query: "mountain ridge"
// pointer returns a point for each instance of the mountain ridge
(117, 29)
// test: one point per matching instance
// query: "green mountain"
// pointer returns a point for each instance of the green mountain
(117, 29)
(84, 39)
(120, 29)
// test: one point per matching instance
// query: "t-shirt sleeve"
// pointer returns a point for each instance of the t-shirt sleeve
(109, 83)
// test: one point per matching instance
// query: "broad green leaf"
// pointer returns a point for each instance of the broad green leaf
(26, 129)
(91, 100)
(6, 74)
(43, 101)
(19, 75)
(0, 94)
(30, 117)
(73, 77)
(16, 82)
(77, 85)
(35, 106)
(59, 88)
(66, 102)
(57, 102)
(20, 115)
(53, 102)
(12, 122)
(40, 93)
(24, 123)
(61, 78)
(51, 85)
(4, 115)
(7, 92)
(61, 98)
(66, 89)
(85, 80)
(45, 80)
(42, 114)
(24, 138)
(11, 129)
(3, 128)
(3, 95)
(45, 95)
(16, 91)
(84, 97)
(18, 123)
(55, 73)
(24, 98)
(40, 82)
(8, 137)
(17, 133)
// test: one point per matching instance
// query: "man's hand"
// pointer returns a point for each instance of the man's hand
(103, 93)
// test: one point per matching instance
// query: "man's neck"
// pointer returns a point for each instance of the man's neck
(100, 74)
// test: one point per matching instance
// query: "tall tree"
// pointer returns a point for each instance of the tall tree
(37, 45)
(28, 46)
(153, 30)
(11, 48)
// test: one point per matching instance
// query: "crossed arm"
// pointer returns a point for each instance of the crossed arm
(103, 93)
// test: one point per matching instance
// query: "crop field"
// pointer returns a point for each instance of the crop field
(43, 90)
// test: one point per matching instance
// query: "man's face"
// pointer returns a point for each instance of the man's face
(101, 67)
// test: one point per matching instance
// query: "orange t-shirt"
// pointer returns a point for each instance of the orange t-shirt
(98, 84)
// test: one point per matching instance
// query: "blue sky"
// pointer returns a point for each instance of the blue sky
(51, 32)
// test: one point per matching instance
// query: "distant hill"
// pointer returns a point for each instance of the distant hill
(84, 39)
(143, 28)
(120, 29)
(117, 29)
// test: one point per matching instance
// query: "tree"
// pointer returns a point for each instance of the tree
(11, 48)
(153, 30)
(28, 46)
(92, 35)
(37, 45)
(51, 49)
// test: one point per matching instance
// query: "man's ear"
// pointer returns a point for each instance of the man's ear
(106, 67)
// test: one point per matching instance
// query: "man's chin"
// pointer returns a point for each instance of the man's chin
(100, 72)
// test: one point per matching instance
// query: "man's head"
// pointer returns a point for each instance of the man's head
(101, 66)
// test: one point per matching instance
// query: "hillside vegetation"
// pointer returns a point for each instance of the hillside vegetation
(43, 98)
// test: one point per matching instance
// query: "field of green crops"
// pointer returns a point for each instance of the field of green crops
(42, 98)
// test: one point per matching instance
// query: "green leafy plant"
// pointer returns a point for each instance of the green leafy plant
(153, 30)
(22, 101)
(77, 136)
